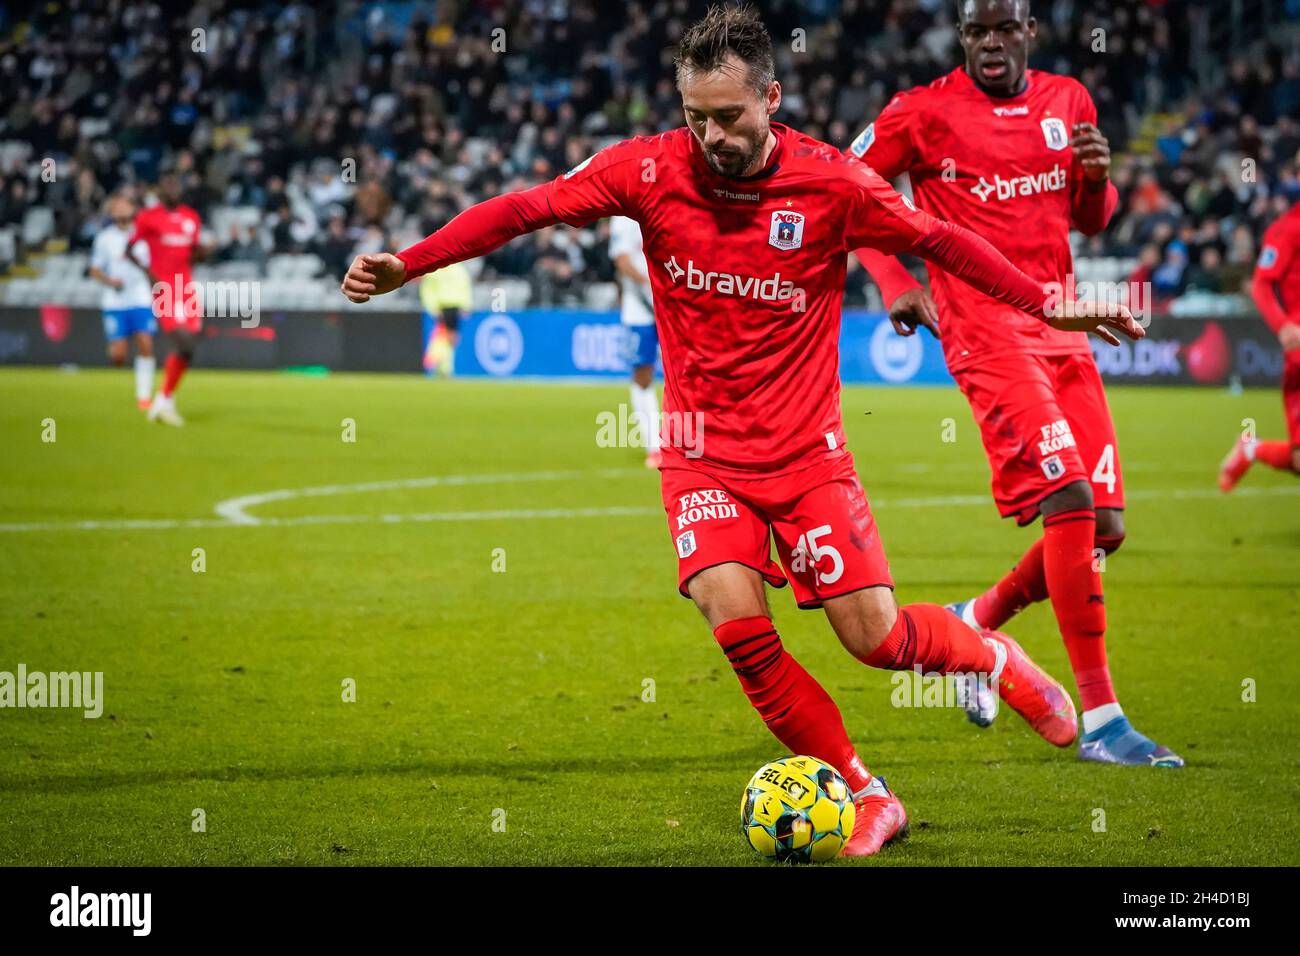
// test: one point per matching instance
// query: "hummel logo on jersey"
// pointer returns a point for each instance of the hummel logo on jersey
(728, 194)
(1051, 181)
(1011, 111)
(771, 289)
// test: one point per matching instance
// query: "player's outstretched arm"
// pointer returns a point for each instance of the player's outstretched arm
(974, 260)
(475, 232)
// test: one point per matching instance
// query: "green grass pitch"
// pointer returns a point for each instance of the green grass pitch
(500, 716)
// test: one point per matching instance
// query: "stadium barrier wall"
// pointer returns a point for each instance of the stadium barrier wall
(571, 343)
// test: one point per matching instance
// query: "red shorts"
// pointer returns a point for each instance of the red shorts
(1045, 424)
(1291, 394)
(177, 306)
(825, 536)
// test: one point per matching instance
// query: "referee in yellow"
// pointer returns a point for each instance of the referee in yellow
(445, 297)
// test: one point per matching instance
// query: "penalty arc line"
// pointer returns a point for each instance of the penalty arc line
(233, 512)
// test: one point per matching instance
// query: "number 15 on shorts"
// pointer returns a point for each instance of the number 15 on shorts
(808, 547)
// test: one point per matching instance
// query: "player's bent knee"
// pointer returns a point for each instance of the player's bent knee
(863, 619)
(728, 592)
(1110, 529)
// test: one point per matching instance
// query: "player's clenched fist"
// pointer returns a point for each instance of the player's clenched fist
(1092, 150)
(1096, 317)
(373, 275)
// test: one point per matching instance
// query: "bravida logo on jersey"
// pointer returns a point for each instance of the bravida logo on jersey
(771, 289)
(1001, 189)
(787, 230)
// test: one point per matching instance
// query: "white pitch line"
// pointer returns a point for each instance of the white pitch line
(234, 510)
(530, 514)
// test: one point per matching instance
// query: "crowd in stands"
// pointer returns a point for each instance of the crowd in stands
(352, 126)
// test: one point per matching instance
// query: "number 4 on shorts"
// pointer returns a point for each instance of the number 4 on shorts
(1104, 473)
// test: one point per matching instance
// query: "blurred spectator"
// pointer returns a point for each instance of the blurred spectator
(243, 246)
(340, 124)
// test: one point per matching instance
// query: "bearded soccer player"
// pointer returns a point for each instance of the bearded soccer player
(746, 225)
(171, 231)
(1015, 154)
(1276, 290)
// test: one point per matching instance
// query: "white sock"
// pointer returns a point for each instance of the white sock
(144, 369)
(1100, 716)
(968, 617)
(645, 405)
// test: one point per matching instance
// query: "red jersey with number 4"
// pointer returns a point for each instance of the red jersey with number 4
(1279, 264)
(1002, 167)
(747, 278)
(172, 235)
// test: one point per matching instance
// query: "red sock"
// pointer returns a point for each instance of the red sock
(794, 706)
(1077, 599)
(173, 369)
(1275, 454)
(928, 635)
(1024, 585)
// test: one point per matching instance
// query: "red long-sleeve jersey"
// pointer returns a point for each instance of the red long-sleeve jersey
(747, 277)
(1003, 167)
(1276, 287)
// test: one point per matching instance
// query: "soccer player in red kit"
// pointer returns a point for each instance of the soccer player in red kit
(171, 230)
(1014, 154)
(1276, 290)
(746, 225)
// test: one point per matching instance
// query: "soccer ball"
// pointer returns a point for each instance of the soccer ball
(797, 810)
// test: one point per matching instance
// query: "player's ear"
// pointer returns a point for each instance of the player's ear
(1031, 28)
(773, 97)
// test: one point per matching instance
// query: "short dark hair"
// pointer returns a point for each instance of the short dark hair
(728, 29)
(961, 9)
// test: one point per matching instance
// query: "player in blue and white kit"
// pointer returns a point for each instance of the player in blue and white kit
(128, 300)
(638, 318)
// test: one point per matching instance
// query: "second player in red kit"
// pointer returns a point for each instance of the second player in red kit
(171, 229)
(1015, 154)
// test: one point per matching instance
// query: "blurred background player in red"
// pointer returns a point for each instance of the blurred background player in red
(127, 301)
(1014, 154)
(1276, 290)
(171, 231)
